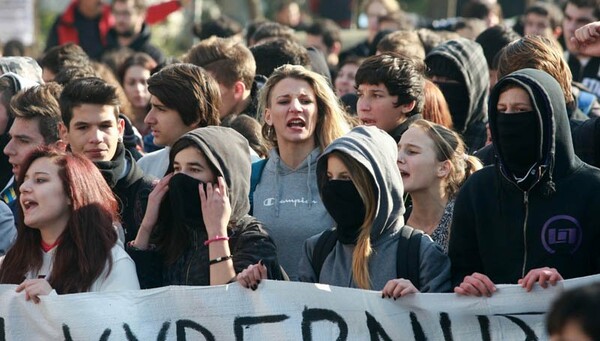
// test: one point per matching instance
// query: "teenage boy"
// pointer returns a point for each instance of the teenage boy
(233, 67)
(584, 68)
(390, 92)
(92, 127)
(184, 97)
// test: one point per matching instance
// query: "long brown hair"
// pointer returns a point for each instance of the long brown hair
(364, 183)
(85, 244)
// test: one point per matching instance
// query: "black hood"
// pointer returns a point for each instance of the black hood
(557, 156)
(228, 151)
(467, 56)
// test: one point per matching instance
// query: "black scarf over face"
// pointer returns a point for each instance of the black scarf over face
(113, 169)
(184, 198)
(346, 207)
(519, 140)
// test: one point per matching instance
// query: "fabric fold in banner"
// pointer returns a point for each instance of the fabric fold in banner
(277, 311)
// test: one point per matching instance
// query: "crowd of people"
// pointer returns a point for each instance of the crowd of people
(423, 159)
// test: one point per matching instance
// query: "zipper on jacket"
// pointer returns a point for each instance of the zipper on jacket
(526, 202)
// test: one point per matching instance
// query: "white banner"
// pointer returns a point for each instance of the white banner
(277, 311)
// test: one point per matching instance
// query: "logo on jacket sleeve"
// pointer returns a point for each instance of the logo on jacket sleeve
(562, 233)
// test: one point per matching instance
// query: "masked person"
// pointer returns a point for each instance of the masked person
(361, 188)
(531, 217)
(459, 69)
(197, 230)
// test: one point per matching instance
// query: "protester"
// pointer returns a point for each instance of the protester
(402, 42)
(584, 67)
(433, 165)
(184, 97)
(133, 76)
(301, 117)
(492, 40)
(66, 241)
(233, 67)
(274, 53)
(92, 127)
(344, 80)
(197, 216)
(459, 69)
(573, 316)
(37, 117)
(130, 29)
(543, 18)
(361, 188)
(535, 206)
(390, 92)
(325, 36)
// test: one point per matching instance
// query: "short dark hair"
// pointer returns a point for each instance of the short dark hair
(595, 4)
(271, 29)
(223, 27)
(40, 103)
(88, 90)
(227, 60)
(403, 76)
(275, 53)
(580, 305)
(493, 39)
(189, 90)
(59, 57)
(327, 29)
(546, 9)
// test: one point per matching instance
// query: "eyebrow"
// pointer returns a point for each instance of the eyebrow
(40, 172)
(190, 164)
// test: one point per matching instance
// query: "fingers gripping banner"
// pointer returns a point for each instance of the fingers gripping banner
(277, 311)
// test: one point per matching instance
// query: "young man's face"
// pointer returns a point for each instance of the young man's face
(94, 131)
(536, 24)
(576, 17)
(376, 107)
(317, 42)
(25, 136)
(166, 123)
(128, 19)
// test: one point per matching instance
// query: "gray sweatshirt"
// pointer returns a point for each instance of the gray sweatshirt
(377, 152)
(287, 202)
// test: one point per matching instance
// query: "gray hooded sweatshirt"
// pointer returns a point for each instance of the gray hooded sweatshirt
(376, 151)
(287, 202)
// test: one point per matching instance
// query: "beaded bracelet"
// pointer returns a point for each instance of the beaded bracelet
(220, 259)
(215, 239)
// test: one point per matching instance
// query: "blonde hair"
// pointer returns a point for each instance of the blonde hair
(363, 181)
(448, 146)
(332, 120)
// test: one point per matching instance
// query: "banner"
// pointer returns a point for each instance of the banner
(277, 311)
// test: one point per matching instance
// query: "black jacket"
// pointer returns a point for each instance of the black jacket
(502, 231)
(249, 243)
(131, 191)
(140, 44)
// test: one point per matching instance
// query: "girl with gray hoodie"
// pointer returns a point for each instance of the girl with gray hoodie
(361, 188)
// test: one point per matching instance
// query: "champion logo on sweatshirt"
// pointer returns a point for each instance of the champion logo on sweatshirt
(295, 202)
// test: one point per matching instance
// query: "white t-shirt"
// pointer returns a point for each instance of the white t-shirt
(122, 275)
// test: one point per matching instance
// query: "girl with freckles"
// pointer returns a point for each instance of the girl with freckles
(66, 240)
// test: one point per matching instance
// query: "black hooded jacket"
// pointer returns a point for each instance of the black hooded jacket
(228, 152)
(502, 231)
(467, 56)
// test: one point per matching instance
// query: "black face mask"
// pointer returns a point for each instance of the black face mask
(184, 198)
(519, 140)
(457, 96)
(344, 204)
